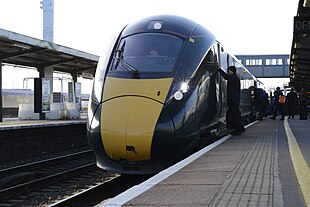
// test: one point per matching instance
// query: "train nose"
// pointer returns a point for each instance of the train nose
(127, 128)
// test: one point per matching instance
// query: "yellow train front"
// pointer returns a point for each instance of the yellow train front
(153, 95)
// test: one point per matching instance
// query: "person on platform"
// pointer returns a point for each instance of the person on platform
(278, 107)
(259, 101)
(303, 98)
(291, 101)
(233, 115)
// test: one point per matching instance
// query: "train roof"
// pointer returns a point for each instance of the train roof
(23, 92)
(16, 91)
(167, 23)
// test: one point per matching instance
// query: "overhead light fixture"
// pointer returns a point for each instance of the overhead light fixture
(87, 75)
(297, 45)
(24, 46)
(306, 3)
(157, 25)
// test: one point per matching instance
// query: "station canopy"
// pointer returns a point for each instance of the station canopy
(17, 49)
(300, 51)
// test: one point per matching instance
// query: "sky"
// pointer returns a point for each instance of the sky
(242, 26)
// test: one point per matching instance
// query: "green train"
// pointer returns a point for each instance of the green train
(156, 91)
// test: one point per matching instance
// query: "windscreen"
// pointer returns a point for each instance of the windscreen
(147, 52)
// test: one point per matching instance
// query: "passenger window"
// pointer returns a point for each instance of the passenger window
(210, 56)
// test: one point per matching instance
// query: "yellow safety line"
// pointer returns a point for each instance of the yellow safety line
(300, 165)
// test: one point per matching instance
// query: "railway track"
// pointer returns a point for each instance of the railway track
(71, 180)
(102, 192)
(39, 183)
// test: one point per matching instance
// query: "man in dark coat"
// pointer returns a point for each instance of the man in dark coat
(291, 100)
(278, 107)
(303, 99)
(233, 115)
(259, 99)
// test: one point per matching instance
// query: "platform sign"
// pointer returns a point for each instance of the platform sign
(78, 95)
(70, 92)
(301, 25)
(46, 95)
(42, 96)
(75, 94)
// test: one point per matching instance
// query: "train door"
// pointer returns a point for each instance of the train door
(218, 82)
(208, 108)
(225, 60)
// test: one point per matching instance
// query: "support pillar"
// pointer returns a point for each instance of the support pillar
(46, 73)
(74, 78)
(48, 20)
(77, 92)
(41, 75)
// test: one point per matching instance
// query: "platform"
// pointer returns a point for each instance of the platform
(15, 123)
(254, 169)
(39, 137)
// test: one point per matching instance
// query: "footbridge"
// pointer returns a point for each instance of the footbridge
(267, 66)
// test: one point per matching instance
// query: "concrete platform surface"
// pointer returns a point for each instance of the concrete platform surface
(14, 123)
(234, 171)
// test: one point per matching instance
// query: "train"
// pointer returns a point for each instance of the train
(18, 103)
(156, 93)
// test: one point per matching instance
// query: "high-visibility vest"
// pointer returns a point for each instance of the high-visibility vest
(281, 99)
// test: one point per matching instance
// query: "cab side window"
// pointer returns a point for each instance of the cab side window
(210, 56)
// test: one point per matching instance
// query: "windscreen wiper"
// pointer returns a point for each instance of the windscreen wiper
(119, 56)
(132, 70)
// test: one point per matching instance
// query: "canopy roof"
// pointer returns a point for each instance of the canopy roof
(23, 50)
(300, 52)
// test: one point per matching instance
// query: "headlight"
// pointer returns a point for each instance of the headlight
(178, 95)
(183, 89)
